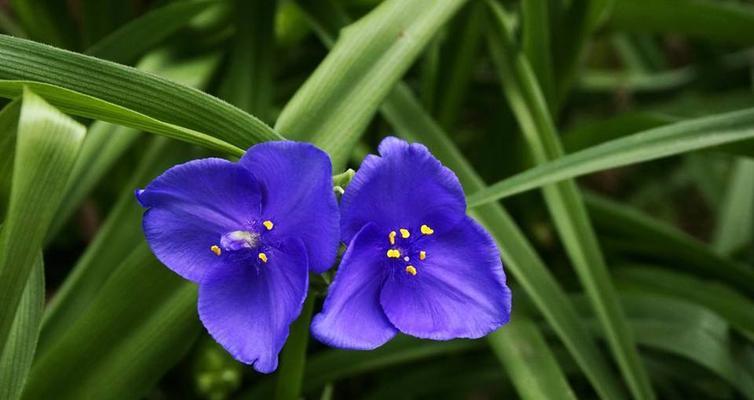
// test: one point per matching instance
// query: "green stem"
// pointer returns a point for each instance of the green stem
(293, 356)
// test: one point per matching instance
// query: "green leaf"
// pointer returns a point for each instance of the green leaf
(724, 301)
(8, 126)
(728, 22)
(47, 143)
(126, 44)
(16, 358)
(342, 95)
(127, 88)
(116, 238)
(535, 42)
(733, 232)
(248, 80)
(529, 362)
(86, 106)
(564, 201)
(653, 240)
(116, 350)
(293, 356)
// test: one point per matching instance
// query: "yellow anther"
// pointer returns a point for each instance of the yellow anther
(426, 230)
(393, 253)
(268, 224)
(391, 237)
(411, 270)
(262, 257)
(405, 233)
(422, 255)
(216, 249)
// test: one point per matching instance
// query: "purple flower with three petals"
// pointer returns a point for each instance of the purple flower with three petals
(415, 263)
(247, 233)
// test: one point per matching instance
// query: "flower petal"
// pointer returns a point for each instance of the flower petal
(191, 206)
(352, 317)
(298, 196)
(248, 308)
(459, 291)
(407, 187)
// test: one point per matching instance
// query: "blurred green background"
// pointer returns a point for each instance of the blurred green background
(631, 257)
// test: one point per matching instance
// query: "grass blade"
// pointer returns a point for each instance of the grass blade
(47, 143)
(340, 98)
(565, 203)
(526, 357)
(87, 106)
(735, 226)
(130, 89)
(16, 358)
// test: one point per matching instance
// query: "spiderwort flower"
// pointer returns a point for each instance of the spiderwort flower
(415, 263)
(247, 233)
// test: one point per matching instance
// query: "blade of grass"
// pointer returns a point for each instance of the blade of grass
(342, 95)
(46, 21)
(90, 107)
(729, 22)
(565, 203)
(406, 115)
(131, 89)
(527, 359)
(734, 225)
(8, 126)
(15, 360)
(654, 143)
(729, 304)
(46, 146)
(95, 359)
(122, 227)
(248, 80)
(130, 41)
(535, 42)
(667, 243)
(293, 356)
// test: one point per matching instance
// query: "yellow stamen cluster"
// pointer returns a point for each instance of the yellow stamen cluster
(411, 270)
(268, 224)
(422, 255)
(405, 233)
(393, 253)
(216, 249)
(426, 230)
(262, 257)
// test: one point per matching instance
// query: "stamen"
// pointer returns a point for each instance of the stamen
(393, 253)
(422, 255)
(216, 249)
(411, 270)
(426, 230)
(391, 237)
(405, 233)
(262, 257)
(268, 224)
(406, 259)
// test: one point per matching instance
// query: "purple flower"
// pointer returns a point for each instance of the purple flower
(248, 233)
(415, 262)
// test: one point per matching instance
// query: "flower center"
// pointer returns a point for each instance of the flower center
(401, 247)
(242, 240)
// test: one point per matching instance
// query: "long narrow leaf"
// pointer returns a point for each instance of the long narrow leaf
(131, 89)
(47, 143)
(339, 99)
(565, 203)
